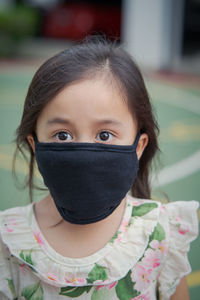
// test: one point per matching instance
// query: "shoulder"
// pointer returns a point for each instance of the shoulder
(15, 212)
(181, 218)
(181, 207)
(180, 221)
(175, 222)
(14, 215)
(175, 228)
(13, 222)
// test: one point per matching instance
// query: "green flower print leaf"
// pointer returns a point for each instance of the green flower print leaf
(97, 273)
(22, 255)
(33, 292)
(74, 292)
(158, 234)
(12, 288)
(29, 259)
(115, 236)
(143, 209)
(26, 258)
(125, 288)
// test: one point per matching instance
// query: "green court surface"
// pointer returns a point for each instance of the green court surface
(178, 112)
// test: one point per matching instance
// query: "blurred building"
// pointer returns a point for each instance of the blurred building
(160, 34)
(163, 34)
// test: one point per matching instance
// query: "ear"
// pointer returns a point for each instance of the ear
(142, 143)
(31, 142)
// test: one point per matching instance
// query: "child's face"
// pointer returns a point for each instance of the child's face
(88, 111)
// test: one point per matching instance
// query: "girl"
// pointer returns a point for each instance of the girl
(88, 122)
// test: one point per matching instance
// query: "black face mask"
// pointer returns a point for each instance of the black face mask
(87, 180)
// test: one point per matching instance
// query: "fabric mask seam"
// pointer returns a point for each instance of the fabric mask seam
(96, 150)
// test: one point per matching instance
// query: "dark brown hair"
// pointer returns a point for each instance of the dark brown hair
(84, 60)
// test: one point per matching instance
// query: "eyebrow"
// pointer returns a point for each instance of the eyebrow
(98, 122)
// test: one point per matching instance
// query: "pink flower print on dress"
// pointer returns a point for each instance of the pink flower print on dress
(9, 229)
(10, 225)
(182, 228)
(151, 259)
(37, 236)
(74, 281)
(108, 286)
(22, 268)
(178, 219)
(118, 239)
(163, 209)
(137, 203)
(52, 277)
(141, 277)
(145, 296)
(7, 250)
(123, 227)
(161, 246)
(101, 283)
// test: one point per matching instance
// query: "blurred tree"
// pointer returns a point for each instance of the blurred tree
(16, 23)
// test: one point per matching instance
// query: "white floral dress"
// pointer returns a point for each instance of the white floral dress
(147, 256)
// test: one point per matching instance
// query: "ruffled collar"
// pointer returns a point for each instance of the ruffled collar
(22, 235)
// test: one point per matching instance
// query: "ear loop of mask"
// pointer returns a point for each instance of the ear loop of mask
(35, 137)
(137, 138)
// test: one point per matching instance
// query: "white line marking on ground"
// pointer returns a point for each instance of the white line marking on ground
(175, 96)
(190, 102)
(177, 171)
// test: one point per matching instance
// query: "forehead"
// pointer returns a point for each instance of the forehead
(89, 98)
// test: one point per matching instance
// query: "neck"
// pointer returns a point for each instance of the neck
(52, 218)
(75, 240)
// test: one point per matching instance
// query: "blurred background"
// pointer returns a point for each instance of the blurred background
(164, 38)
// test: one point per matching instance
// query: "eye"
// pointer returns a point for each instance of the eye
(63, 136)
(105, 136)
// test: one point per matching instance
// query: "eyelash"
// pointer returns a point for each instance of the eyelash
(64, 131)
